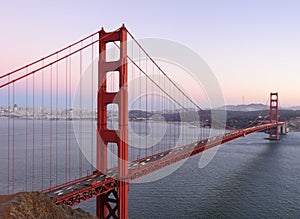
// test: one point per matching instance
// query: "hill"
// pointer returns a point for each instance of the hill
(246, 107)
(36, 205)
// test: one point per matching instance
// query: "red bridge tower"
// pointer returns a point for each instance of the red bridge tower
(274, 115)
(113, 204)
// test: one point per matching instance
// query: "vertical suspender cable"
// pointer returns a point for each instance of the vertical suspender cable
(161, 109)
(146, 111)
(152, 107)
(164, 113)
(167, 111)
(175, 120)
(80, 122)
(33, 131)
(56, 124)
(180, 131)
(13, 141)
(132, 91)
(140, 106)
(201, 128)
(43, 125)
(8, 136)
(132, 94)
(66, 120)
(92, 108)
(26, 134)
(70, 106)
(51, 119)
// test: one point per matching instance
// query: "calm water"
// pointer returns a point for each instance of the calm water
(248, 178)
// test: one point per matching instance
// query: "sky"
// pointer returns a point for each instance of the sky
(252, 47)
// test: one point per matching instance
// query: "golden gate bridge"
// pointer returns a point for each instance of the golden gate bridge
(113, 144)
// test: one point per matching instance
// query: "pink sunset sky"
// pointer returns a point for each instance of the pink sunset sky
(252, 47)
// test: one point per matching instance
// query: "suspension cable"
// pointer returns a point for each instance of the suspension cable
(48, 56)
(159, 87)
(161, 70)
(53, 62)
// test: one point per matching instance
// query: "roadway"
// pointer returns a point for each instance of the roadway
(88, 187)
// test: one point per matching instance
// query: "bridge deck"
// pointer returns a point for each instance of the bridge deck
(88, 187)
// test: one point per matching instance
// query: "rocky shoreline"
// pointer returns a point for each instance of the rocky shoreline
(36, 205)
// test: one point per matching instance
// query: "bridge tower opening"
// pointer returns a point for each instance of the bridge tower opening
(113, 204)
(274, 116)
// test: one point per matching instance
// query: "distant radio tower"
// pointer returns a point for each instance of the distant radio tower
(243, 100)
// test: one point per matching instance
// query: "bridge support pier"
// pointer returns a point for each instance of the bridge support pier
(113, 204)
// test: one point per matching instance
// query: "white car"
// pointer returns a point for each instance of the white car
(59, 192)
